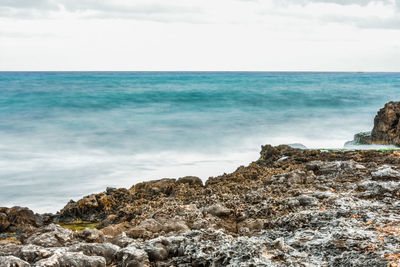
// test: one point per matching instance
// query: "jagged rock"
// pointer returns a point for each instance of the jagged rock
(386, 173)
(156, 251)
(386, 125)
(8, 248)
(78, 259)
(149, 189)
(33, 253)
(363, 138)
(105, 250)
(190, 180)
(11, 261)
(132, 257)
(91, 235)
(18, 219)
(49, 262)
(312, 208)
(4, 223)
(51, 236)
(121, 240)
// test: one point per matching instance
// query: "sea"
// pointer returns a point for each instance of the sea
(64, 135)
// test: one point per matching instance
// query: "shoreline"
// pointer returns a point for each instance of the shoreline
(273, 204)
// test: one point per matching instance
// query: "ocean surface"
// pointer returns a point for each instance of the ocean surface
(64, 135)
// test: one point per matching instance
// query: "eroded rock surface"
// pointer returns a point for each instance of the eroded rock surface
(291, 207)
(386, 125)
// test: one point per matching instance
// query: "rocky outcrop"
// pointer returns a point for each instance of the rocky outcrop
(387, 126)
(18, 219)
(291, 207)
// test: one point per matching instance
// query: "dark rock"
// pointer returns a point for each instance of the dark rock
(363, 138)
(4, 223)
(386, 125)
(153, 188)
(190, 180)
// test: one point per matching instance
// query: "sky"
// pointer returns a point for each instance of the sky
(214, 35)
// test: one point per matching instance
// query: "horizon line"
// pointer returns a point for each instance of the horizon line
(276, 71)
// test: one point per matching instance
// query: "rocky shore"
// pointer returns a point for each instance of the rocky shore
(291, 207)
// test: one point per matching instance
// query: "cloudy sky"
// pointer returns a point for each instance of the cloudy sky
(324, 35)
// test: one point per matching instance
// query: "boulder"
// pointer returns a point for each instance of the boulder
(51, 236)
(18, 219)
(132, 257)
(91, 235)
(150, 189)
(11, 261)
(4, 223)
(78, 259)
(105, 250)
(387, 126)
(363, 138)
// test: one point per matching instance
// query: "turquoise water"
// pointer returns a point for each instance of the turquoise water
(67, 134)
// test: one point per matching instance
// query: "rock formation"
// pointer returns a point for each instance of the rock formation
(386, 129)
(387, 126)
(291, 207)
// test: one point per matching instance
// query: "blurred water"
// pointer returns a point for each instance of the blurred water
(67, 134)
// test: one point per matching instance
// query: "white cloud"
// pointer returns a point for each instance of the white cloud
(199, 35)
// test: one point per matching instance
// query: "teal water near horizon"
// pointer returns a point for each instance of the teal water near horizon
(64, 135)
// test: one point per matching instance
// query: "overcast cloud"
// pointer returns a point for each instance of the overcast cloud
(200, 34)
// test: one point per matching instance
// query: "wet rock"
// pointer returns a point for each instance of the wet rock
(11, 261)
(297, 146)
(386, 125)
(363, 138)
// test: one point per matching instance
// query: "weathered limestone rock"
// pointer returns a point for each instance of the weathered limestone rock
(386, 125)
(51, 236)
(78, 259)
(91, 235)
(11, 261)
(105, 250)
(132, 257)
